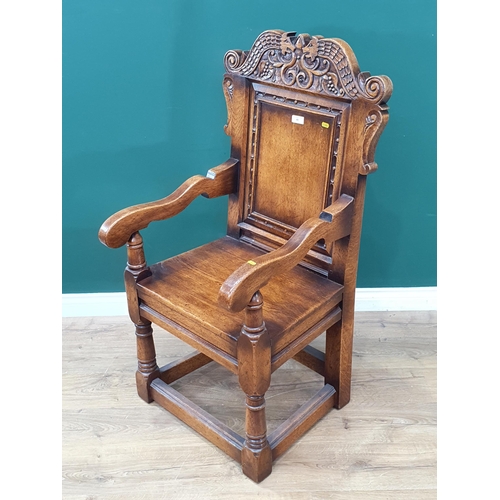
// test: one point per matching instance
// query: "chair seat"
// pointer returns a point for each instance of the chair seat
(185, 289)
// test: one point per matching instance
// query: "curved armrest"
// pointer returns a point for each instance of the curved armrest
(219, 181)
(332, 224)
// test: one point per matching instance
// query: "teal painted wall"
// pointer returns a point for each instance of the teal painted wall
(143, 110)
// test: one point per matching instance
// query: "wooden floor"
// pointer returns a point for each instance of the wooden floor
(381, 446)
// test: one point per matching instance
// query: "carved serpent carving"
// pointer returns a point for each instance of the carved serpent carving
(320, 64)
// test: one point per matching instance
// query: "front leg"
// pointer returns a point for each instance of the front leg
(147, 369)
(254, 373)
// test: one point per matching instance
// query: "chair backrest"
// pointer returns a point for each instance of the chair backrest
(304, 123)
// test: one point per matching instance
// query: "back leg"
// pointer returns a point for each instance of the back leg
(338, 358)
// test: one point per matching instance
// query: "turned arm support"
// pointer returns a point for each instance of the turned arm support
(332, 224)
(219, 181)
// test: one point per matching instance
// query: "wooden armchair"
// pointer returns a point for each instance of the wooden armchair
(304, 123)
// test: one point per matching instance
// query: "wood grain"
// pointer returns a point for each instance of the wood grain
(380, 446)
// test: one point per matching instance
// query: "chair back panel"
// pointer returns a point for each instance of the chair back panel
(299, 114)
(292, 162)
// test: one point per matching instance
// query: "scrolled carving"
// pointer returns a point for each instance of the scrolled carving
(378, 88)
(375, 123)
(233, 59)
(228, 87)
(314, 63)
(371, 118)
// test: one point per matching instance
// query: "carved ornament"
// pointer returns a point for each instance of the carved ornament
(325, 65)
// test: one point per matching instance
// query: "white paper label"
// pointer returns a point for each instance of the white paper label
(298, 119)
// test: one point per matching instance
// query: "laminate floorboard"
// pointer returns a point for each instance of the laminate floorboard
(381, 446)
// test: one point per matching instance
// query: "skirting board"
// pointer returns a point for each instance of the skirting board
(367, 299)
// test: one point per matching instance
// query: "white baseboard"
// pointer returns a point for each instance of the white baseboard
(367, 299)
(94, 304)
(396, 299)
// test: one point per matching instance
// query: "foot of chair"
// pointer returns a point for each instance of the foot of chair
(339, 403)
(257, 465)
(143, 384)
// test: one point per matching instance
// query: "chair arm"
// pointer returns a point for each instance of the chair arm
(219, 181)
(332, 224)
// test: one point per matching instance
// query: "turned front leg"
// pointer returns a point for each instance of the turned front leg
(137, 269)
(147, 369)
(254, 374)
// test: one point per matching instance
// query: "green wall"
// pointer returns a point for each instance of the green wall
(143, 110)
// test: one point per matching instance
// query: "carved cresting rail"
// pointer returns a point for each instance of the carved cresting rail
(307, 62)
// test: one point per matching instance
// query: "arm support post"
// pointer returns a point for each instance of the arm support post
(254, 374)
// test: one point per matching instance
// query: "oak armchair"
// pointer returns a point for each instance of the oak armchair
(304, 123)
